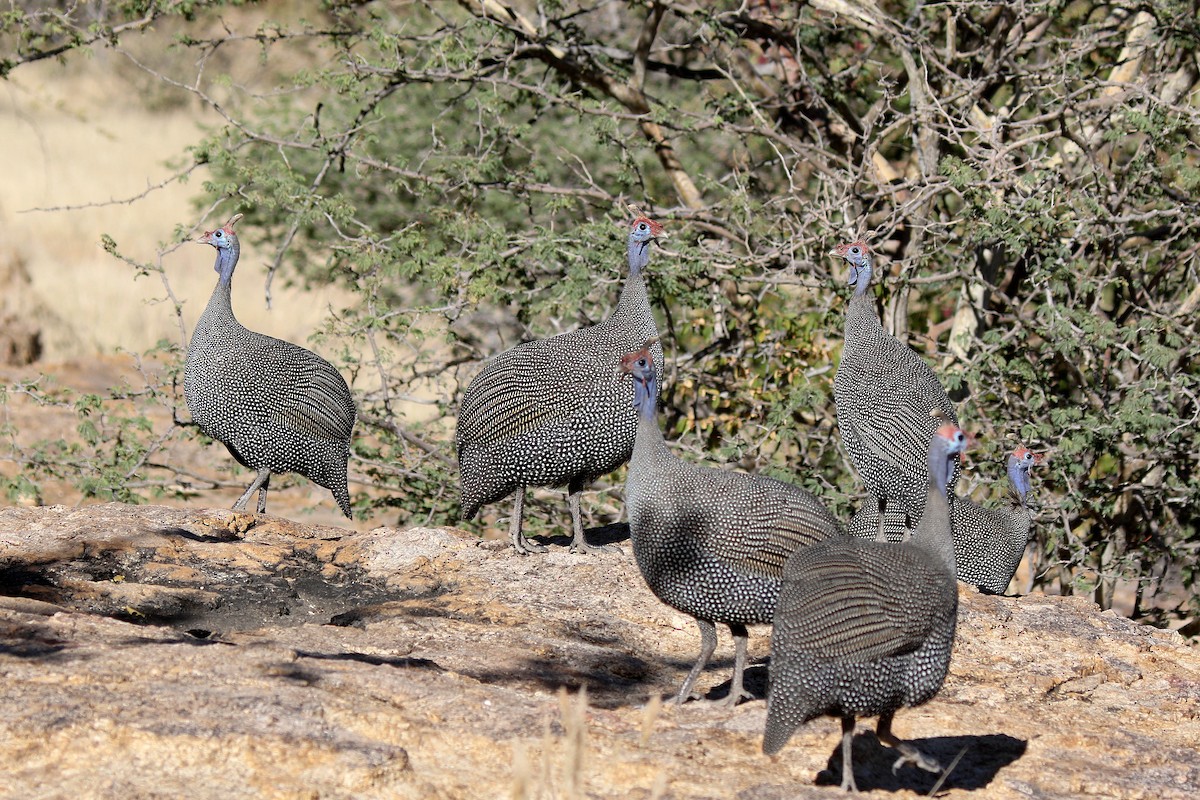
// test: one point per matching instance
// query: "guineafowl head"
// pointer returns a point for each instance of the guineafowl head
(858, 256)
(226, 242)
(642, 231)
(948, 444)
(1020, 461)
(640, 364)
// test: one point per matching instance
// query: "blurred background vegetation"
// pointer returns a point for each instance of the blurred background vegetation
(458, 172)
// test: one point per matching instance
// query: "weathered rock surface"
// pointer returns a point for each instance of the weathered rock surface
(154, 652)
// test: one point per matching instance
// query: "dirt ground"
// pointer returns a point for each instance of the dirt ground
(156, 652)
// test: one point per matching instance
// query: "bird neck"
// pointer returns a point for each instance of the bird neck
(634, 298)
(862, 322)
(645, 398)
(649, 439)
(639, 256)
(220, 306)
(227, 258)
(649, 446)
(1019, 477)
(862, 278)
(934, 532)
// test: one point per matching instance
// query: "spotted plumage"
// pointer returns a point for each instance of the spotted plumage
(864, 628)
(989, 543)
(884, 393)
(711, 543)
(276, 406)
(554, 412)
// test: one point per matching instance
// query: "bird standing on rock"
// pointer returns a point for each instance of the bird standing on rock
(711, 543)
(276, 406)
(883, 392)
(554, 411)
(989, 543)
(865, 628)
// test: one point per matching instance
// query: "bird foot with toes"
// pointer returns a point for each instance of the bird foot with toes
(911, 755)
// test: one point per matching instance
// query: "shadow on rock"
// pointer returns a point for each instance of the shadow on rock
(754, 681)
(204, 590)
(22, 640)
(614, 533)
(982, 758)
(202, 538)
(401, 662)
(615, 681)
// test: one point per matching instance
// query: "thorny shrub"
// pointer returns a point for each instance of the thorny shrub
(1028, 172)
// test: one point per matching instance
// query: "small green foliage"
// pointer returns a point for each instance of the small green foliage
(464, 173)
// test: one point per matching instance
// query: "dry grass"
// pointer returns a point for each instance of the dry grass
(81, 134)
(95, 130)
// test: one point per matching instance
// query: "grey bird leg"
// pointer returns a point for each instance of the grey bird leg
(908, 753)
(578, 543)
(848, 783)
(519, 542)
(708, 644)
(260, 483)
(881, 535)
(736, 693)
(262, 494)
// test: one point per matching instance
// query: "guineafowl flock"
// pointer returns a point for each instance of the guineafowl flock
(863, 617)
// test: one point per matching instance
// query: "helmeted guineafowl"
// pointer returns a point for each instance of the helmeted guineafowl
(554, 411)
(276, 406)
(990, 542)
(865, 523)
(864, 628)
(884, 393)
(711, 543)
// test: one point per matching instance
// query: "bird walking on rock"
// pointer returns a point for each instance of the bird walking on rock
(883, 392)
(865, 628)
(276, 406)
(554, 412)
(989, 543)
(711, 543)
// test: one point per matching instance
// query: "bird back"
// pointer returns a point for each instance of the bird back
(884, 393)
(710, 542)
(989, 543)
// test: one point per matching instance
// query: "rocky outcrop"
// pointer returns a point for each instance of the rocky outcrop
(155, 652)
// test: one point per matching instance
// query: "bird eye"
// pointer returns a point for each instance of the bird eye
(218, 234)
(960, 437)
(643, 226)
(855, 250)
